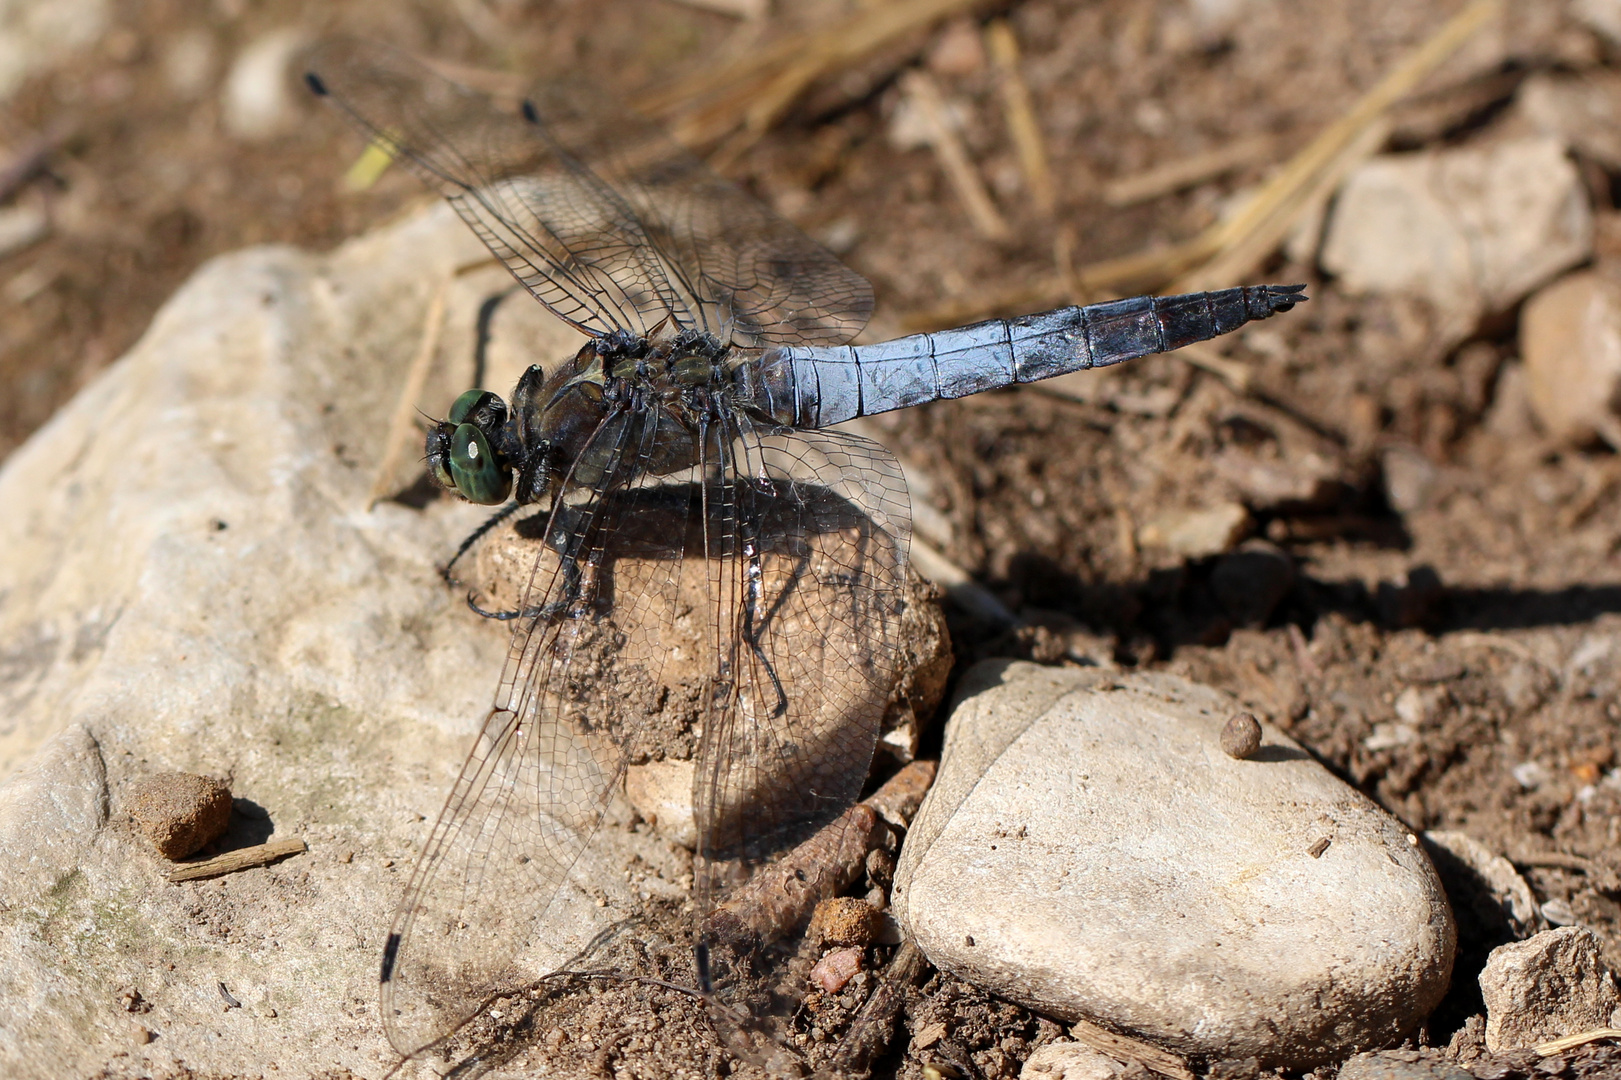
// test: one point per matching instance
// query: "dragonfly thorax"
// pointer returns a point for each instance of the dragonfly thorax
(666, 365)
(487, 452)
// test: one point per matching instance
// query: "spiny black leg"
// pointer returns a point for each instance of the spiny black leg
(552, 612)
(477, 535)
(752, 630)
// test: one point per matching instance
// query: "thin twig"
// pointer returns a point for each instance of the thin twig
(240, 859)
(1188, 172)
(1237, 375)
(738, 9)
(873, 1027)
(900, 796)
(1125, 1048)
(1021, 116)
(1304, 169)
(402, 425)
(1570, 1042)
(1280, 200)
(959, 585)
(1246, 252)
(756, 90)
(948, 148)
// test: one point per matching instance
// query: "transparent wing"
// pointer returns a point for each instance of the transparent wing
(816, 528)
(595, 211)
(591, 640)
(754, 279)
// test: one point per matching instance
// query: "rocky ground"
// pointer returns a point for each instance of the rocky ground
(1385, 523)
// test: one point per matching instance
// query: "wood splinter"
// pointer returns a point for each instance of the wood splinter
(240, 859)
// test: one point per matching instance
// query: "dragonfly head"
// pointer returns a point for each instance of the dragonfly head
(464, 450)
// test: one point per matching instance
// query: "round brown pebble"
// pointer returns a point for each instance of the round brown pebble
(180, 812)
(1241, 736)
(842, 920)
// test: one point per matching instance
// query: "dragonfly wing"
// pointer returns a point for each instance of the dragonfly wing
(595, 210)
(564, 234)
(595, 616)
(810, 596)
(753, 277)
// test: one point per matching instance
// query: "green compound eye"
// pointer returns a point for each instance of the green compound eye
(479, 477)
(465, 405)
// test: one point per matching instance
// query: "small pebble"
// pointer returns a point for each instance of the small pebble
(1241, 736)
(1070, 1061)
(180, 812)
(21, 227)
(1197, 534)
(842, 920)
(835, 969)
(257, 99)
(1559, 913)
(1568, 334)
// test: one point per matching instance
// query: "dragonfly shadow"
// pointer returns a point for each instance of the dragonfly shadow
(1179, 607)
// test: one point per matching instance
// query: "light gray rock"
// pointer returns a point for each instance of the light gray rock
(1602, 16)
(259, 99)
(1582, 111)
(1069, 1061)
(193, 581)
(1197, 533)
(49, 812)
(661, 791)
(1570, 342)
(1473, 229)
(35, 34)
(1553, 985)
(1089, 851)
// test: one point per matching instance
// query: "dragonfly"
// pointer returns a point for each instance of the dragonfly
(701, 528)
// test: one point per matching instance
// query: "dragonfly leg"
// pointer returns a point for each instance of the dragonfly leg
(752, 629)
(553, 612)
(475, 536)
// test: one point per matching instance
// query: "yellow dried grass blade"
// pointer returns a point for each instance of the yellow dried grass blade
(369, 167)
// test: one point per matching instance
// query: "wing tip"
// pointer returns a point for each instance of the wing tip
(391, 952)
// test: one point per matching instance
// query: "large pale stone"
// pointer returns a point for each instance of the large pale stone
(196, 580)
(193, 581)
(1089, 850)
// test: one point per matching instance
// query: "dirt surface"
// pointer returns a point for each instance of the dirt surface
(1490, 604)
